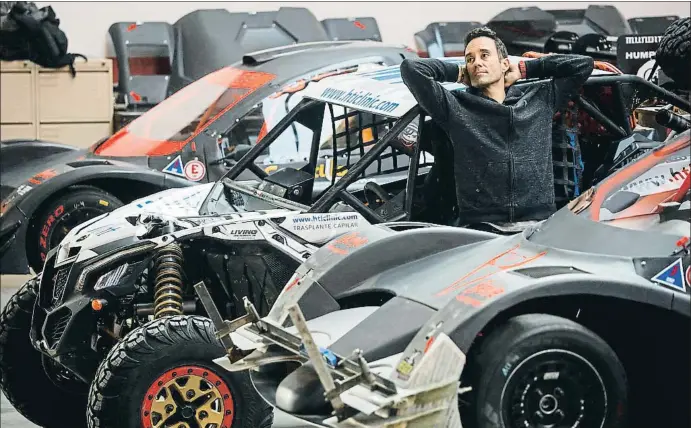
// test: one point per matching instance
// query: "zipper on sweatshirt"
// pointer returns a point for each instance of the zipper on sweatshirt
(511, 167)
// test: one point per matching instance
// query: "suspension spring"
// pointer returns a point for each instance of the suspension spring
(168, 284)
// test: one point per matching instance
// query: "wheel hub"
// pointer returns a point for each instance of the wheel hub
(548, 404)
(554, 389)
(188, 397)
(188, 412)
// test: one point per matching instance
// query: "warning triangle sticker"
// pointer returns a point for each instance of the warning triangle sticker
(672, 276)
(175, 167)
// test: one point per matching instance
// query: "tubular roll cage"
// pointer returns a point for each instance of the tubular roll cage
(310, 112)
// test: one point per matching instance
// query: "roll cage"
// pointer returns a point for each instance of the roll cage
(609, 100)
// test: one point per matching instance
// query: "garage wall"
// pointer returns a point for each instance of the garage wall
(86, 24)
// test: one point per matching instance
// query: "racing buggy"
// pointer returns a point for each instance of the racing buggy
(385, 162)
(573, 322)
(186, 140)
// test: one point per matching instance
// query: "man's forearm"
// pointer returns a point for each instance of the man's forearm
(423, 78)
(569, 73)
(557, 66)
(430, 68)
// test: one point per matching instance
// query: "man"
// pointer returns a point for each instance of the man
(501, 138)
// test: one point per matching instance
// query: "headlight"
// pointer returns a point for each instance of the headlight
(96, 266)
(111, 278)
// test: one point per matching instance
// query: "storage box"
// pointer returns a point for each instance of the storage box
(51, 104)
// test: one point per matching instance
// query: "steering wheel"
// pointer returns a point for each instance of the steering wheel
(379, 192)
(389, 209)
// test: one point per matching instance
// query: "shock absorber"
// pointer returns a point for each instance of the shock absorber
(168, 283)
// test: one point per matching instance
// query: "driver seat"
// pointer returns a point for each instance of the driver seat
(439, 188)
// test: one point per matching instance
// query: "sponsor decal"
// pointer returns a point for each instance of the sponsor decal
(405, 367)
(688, 275)
(672, 276)
(657, 180)
(241, 233)
(324, 222)
(507, 260)
(479, 293)
(23, 189)
(360, 99)
(195, 170)
(321, 228)
(634, 51)
(347, 242)
(43, 238)
(43, 176)
(103, 230)
(175, 167)
(147, 202)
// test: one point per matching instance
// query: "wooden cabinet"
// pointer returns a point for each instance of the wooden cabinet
(50, 104)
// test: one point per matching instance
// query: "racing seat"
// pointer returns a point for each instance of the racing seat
(443, 39)
(352, 29)
(132, 43)
(439, 187)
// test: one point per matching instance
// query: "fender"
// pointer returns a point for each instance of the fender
(16, 152)
(463, 322)
(18, 217)
(80, 175)
(341, 264)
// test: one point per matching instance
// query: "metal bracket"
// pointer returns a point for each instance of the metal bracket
(225, 328)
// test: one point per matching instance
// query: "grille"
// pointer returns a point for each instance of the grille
(59, 285)
(55, 326)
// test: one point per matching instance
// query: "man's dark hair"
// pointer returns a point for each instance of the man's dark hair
(486, 32)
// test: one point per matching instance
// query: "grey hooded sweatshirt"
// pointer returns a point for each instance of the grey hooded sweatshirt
(502, 153)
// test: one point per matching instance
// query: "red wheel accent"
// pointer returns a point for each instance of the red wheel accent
(188, 371)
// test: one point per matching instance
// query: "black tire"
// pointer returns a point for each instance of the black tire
(61, 214)
(674, 53)
(153, 356)
(509, 388)
(22, 376)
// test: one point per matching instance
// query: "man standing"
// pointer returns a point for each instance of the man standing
(502, 140)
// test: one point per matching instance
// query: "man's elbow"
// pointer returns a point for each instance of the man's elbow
(585, 65)
(408, 69)
(582, 67)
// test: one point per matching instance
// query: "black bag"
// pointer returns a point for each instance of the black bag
(30, 33)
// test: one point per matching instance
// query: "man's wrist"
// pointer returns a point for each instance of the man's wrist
(522, 70)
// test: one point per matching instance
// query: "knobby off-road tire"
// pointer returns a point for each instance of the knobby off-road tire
(142, 373)
(538, 368)
(674, 52)
(22, 376)
(64, 212)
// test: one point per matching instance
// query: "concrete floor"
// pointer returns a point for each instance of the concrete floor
(9, 418)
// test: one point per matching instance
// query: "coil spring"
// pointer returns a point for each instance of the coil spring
(168, 284)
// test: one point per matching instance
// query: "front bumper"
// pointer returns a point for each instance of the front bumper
(64, 326)
(62, 329)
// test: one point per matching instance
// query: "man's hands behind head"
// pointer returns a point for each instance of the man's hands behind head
(463, 76)
(511, 75)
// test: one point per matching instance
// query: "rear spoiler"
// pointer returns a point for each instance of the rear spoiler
(265, 55)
